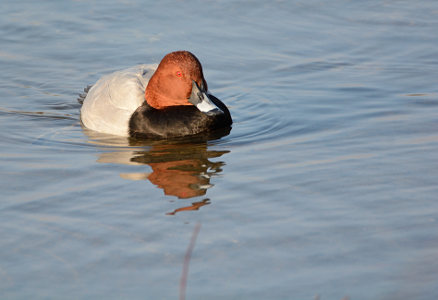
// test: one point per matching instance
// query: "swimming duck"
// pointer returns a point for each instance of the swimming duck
(150, 101)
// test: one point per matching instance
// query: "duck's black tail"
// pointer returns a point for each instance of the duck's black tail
(82, 96)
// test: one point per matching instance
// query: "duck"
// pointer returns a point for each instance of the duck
(153, 101)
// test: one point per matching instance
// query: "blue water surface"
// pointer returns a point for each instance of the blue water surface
(326, 187)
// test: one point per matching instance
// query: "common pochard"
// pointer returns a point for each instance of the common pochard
(150, 101)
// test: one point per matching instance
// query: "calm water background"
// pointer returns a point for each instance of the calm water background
(325, 188)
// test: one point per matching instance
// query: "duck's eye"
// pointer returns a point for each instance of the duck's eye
(178, 73)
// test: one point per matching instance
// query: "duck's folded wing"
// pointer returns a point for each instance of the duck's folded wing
(110, 102)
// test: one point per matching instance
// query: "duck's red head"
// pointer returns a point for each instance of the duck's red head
(172, 82)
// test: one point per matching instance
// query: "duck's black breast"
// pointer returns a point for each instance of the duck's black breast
(175, 121)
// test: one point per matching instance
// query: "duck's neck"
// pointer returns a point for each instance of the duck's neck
(159, 100)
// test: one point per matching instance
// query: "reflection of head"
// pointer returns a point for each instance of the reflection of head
(183, 178)
(183, 171)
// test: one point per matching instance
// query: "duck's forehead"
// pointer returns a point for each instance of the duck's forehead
(181, 56)
(182, 59)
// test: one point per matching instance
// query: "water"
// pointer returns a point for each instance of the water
(324, 189)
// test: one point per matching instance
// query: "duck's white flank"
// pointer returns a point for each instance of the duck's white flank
(112, 100)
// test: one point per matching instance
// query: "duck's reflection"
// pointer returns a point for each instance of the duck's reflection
(180, 168)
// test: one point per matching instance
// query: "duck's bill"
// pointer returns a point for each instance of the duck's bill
(200, 99)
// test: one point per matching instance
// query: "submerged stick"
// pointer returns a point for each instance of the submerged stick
(185, 271)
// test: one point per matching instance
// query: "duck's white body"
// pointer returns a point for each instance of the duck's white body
(113, 99)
